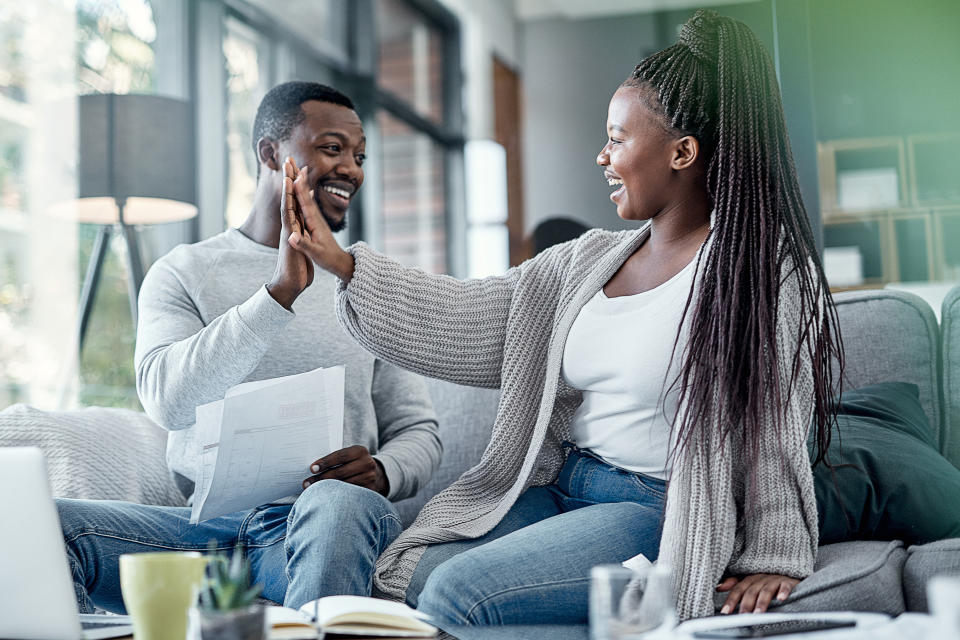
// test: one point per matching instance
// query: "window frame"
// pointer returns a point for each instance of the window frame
(356, 76)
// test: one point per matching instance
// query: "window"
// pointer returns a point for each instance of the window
(245, 55)
(414, 202)
(409, 58)
(321, 23)
(49, 57)
(416, 117)
(114, 55)
(397, 59)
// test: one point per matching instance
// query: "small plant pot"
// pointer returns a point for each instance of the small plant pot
(240, 624)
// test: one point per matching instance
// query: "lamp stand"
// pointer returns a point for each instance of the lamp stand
(91, 280)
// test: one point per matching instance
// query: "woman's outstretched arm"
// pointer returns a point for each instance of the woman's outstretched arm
(434, 325)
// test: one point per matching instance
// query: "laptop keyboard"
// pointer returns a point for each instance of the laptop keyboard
(90, 626)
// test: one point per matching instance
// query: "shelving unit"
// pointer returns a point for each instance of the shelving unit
(897, 199)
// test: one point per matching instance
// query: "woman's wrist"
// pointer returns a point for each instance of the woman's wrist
(343, 266)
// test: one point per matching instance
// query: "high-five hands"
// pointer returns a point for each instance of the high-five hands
(354, 465)
(305, 228)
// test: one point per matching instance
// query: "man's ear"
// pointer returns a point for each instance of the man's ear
(267, 153)
(685, 153)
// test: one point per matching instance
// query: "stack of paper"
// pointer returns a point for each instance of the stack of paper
(257, 444)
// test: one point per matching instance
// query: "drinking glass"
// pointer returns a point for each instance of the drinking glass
(621, 613)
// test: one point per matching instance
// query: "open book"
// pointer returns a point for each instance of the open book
(284, 623)
(351, 615)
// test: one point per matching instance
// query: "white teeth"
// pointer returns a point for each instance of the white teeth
(337, 192)
(614, 181)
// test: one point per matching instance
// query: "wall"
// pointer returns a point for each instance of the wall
(570, 71)
(885, 67)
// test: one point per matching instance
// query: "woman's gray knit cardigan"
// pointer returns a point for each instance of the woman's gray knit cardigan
(509, 332)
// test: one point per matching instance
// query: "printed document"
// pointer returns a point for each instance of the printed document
(257, 444)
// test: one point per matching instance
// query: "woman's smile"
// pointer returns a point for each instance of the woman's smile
(614, 181)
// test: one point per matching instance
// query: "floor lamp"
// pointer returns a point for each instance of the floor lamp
(136, 167)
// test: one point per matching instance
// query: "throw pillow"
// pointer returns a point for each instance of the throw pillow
(889, 481)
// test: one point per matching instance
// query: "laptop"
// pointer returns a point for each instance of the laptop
(37, 599)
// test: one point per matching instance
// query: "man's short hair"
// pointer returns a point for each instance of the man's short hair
(279, 111)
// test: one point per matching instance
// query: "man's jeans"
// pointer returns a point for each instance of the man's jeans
(534, 566)
(326, 543)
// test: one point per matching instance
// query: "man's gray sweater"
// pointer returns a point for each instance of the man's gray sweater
(208, 323)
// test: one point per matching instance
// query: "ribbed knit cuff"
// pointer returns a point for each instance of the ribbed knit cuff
(393, 472)
(263, 315)
(359, 251)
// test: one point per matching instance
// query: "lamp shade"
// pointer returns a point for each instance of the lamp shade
(138, 149)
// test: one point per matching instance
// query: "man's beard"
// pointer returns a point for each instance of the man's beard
(335, 226)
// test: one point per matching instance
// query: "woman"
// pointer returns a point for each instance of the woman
(662, 378)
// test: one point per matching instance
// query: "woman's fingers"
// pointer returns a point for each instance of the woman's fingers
(768, 591)
(786, 588)
(755, 593)
(733, 598)
(308, 206)
(317, 235)
(728, 584)
(748, 601)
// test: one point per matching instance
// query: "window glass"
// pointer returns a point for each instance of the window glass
(414, 196)
(49, 54)
(114, 52)
(410, 58)
(114, 55)
(321, 23)
(247, 81)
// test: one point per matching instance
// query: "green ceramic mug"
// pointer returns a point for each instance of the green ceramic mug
(158, 589)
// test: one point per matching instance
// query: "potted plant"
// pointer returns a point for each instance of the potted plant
(226, 606)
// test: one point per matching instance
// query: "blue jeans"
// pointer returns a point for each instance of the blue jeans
(326, 543)
(534, 566)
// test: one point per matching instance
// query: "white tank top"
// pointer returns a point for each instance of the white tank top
(617, 354)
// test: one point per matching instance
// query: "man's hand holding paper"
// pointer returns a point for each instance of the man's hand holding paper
(269, 434)
(354, 465)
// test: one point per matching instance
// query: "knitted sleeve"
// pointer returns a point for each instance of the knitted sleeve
(780, 529)
(434, 325)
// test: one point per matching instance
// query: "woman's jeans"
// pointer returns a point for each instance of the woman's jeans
(534, 567)
(325, 543)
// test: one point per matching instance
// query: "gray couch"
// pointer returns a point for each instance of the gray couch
(888, 335)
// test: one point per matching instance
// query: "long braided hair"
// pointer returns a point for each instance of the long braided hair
(717, 83)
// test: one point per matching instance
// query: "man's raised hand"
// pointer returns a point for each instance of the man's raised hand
(294, 271)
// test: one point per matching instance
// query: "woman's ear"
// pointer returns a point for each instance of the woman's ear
(267, 154)
(685, 153)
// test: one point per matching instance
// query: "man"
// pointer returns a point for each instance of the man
(244, 306)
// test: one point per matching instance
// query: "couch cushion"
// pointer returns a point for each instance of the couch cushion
(893, 336)
(96, 453)
(852, 576)
(465, 416)
(950, 330)
(889, 481)
(924, 562)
